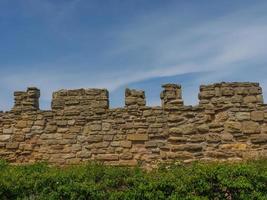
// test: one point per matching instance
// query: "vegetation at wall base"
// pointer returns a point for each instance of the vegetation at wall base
(244, 180)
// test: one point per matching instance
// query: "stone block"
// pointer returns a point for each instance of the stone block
(203, 128)
(106, 126)
(233, 126)
(241, 116)
(250, 99)
(187, 147)
(84, 154)
(189, 129)
(176, 131)
(137, 137)
(94, 138)
(21, 124)
(259, 139)
(257, 115)
(7, 130)
(177, 139)
(126, 144)
(12, 145)
(126, 156)
(95, 127)
(250, 127)
(4, 138)
(108, 137)
(234, 146)
(107, 157)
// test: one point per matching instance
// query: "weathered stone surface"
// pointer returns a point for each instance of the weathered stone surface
(177, 139)
(107, 157)
(257, 115)
(243, 116)
(137, 137)
(250, 99)
(249, 127)
(204, 128)
(126, 144)
(229, 123)
(12, 145)
(4, 138)
(233, 127)
(259, 138)
(235, 146)
(175, 130)
(126, 156)
(187, 147)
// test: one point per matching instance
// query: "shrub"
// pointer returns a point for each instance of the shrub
(246, 180)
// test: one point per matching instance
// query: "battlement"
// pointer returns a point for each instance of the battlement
(216, 96)
(229, 123)
(236, 94)
(27, 101)
(81, 100)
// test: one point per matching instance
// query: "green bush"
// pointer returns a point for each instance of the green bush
(246, 180)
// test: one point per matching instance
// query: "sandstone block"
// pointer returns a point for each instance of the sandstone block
(75, 129)
(177, 139)
(7, 130)
(126, 144)
(196, 138)
(227, 92)
(95, 127)
(12, 145)
(107, 157)
(94, 138)
(221, 117)
(108, 137)
(106, 126)
(250, 127)
(259, 139)
(257, 115)
(250, 99)
(175, 131)
(188, 129)
(115, 144)
(213, 138)
(21, 124)
(84, 154)
(62, 130)
(4, 138)
(151, 144)
(71, 122)
(203, 128)
(234, 146)
(137, 137)
(62, 123)
(233, 127)
(126, 156)
(51, 128)
(264, 128)
(241, 116)
(187, 147)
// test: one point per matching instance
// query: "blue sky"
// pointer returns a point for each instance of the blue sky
(114, 44)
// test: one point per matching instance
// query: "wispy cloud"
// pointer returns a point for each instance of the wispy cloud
(157, 44)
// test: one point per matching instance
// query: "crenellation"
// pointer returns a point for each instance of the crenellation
(171, 97)
(134, 98)
(228, 124)
(26, 101)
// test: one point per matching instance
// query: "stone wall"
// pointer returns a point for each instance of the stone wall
(230, 123)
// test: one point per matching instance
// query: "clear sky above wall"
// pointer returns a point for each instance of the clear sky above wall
(123, 43)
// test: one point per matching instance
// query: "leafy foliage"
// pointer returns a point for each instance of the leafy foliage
(197, 181)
